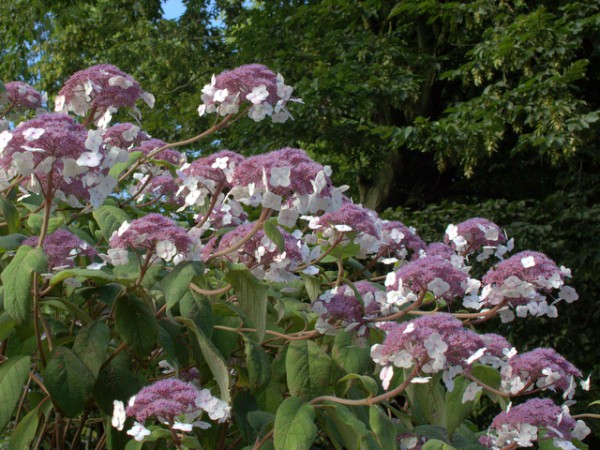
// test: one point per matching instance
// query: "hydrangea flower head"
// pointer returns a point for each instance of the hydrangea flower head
(124, 135)
(252, 84)
(21, 95)
(64, 159)
(543, 368)
(521, 424)
(474, 234)
(524, 280)
(169, 155)
(261, 254)
(62, 247)
(430, 273)
(153, 232)
(218, 167)
(102, 89)
(398, 239)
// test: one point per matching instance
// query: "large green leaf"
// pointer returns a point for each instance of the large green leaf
(109, 219)
(344, 426)
(382, 426)
(199, 309)
(313, 286)
(258, 364)
(308, 369)
(212, 356)
(295, 427)
(11, 241)
(25, 431)
(10, 215)
(13, 375)
(91, 343)
(456, 410)
(17, 279)
(136, 324)
(98, 276)
(115, 381)
(349, 355)
(68, 381)
(251, 295)
(177, 283)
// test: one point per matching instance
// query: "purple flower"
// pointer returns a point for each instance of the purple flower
(439, 249)
(260, 253)
(254, 85)
(351, 217)
(163, 185)
(165, 398)
(543, 368)
(226, 215)
(523, 281)
(101, 89)
(429, 273)
(124, 136)
(64, 159)
(62, 247)
(154, 233)
(20, 95)
(473, 234)
(169, 155)
(398, 239)
(520, 424)
(218, 167)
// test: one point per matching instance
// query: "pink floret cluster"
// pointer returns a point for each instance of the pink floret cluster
(21, 95)
(62, 247)
(165, 398)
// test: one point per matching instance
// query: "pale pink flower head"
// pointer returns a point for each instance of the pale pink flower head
(262, 254)
(58, 158)
(168, 154)
(165, 398)
(398, 239)
(155, 233)
(521, 425)
(62, 247)
(124, 135)
(523, 281)
(228, 214)
(252, 85)
(541, 368)
(437, 249)
(473, 234)
(102, 89)
(351, 217)
(20, 95)
(160, 186)
(218, 168)
(433, 274)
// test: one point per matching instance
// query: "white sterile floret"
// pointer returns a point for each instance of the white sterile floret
(438, 287)
(288, 217)
(280, 176)
(568, 294)
(23, 163)
(217, 409)
(32, 134)
(386, 375)
(258, 95)
(5, 138)
(420, 380)
(471, 392)
(272, 201)
(139, 432)
(260, 111)
(475, 356)
(166, 250)
(89, 159)
(149, 99)
(435, 345)
(118, 256)
(119, 416)
(528, 261)
(581, 430)
(181, 426)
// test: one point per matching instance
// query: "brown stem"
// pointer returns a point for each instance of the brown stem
(486, 387)
(586, 416)
(7, 110)
(370, 400)
(219, 291)
(264, 439)
(76, 438)
(264, 215)
(322, 255)
(402, 313)
(211, 206)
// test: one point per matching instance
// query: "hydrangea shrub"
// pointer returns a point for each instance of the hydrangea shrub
(228, 302)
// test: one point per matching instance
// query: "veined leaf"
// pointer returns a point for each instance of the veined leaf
(109, 219)
(13, 374)
(176, 284)
(136, 324)
(308, 369)
(294, 425)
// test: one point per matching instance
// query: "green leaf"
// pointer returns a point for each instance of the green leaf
(251, 295)
(120, 167)
(98, 276)
(136, 324)
(17, 279)
(348, 429)
(109, 219)
(115, 381)
(433, 432)
(313, 286)
(13, 375)
(177, 284)
(258, 364)
(68, 381)
(456, 410)
(274, 234)
(10, 215)
(213, 358)
(350, 356)
(383, 427)
(24, 433)
(294, 425)
(11, 241)
(308, 369)
(91, 343)
(199, 310)
(435, 444)
(368, 383)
